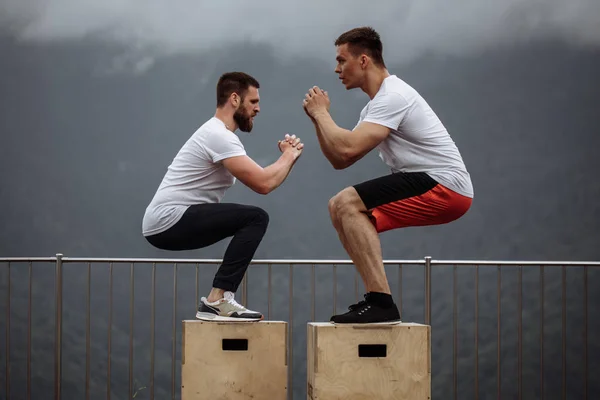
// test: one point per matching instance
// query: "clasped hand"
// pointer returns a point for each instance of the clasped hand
(291, 144)
(315, 101)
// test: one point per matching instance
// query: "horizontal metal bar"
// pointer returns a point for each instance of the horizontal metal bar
(349, 262)
(303, 261)
(518, 263)
(218, 261)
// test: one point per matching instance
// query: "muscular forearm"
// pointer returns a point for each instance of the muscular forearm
(334, 141)
(325, 145)
(275, 174)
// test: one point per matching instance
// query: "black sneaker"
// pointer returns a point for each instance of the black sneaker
(365, 312)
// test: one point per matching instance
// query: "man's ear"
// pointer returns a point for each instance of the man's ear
(235, 100)
(364, 60)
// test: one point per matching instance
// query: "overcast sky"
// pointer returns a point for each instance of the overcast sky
(154, 28)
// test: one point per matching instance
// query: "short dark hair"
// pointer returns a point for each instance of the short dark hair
(237, 82)
(363, 40)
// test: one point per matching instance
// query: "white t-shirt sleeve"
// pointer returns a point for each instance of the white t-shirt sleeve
(222, 145)
(388, 110)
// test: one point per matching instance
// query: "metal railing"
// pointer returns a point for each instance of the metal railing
(59, 262)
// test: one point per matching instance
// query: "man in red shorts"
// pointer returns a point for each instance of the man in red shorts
(428, 185)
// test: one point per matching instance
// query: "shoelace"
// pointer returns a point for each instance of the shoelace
(359, 304)
(236, 304)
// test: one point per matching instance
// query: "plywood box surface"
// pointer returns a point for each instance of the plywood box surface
(234, 360)
(368, 361)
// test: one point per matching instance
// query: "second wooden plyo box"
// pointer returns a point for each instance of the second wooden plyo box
(368, 361)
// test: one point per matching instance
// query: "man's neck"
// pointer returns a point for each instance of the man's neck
(374, 80)
(227, 119)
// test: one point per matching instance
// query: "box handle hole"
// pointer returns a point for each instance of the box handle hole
(372, 350)
(235, 344)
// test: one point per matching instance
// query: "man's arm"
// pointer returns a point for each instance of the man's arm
(325, 149)
(343, 147)
(261, 180)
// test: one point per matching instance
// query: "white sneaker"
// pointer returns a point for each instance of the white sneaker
(226, 309)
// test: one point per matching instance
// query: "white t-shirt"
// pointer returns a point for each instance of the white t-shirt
(196, 176)
(418, 141)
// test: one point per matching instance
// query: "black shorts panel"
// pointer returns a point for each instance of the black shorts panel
(394, 187)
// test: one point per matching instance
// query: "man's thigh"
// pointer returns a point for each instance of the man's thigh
(410, 199)
(205, 224)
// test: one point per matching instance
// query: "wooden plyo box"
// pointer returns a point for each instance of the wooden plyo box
(234, 360)
(368, 361)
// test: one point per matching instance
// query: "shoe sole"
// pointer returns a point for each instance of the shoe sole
(213, 317)
(368, 323)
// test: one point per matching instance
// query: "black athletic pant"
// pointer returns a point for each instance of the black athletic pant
(205, 224)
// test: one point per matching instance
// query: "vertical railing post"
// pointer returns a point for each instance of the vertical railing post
(428, 290)
(290, 362)
(245, 290)
(8, 332)
(58, 327)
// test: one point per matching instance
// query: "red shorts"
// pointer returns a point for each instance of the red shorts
(410, 199)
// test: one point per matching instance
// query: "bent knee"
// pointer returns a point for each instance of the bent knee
(345, 201)
(261, 215)
(254, 215)
(332, 205)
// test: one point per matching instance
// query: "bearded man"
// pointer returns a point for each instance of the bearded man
(186, 211)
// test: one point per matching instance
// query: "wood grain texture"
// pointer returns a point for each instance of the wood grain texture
(209, 372)
(336, 371)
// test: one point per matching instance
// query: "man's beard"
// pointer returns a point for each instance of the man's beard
(243, 121)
